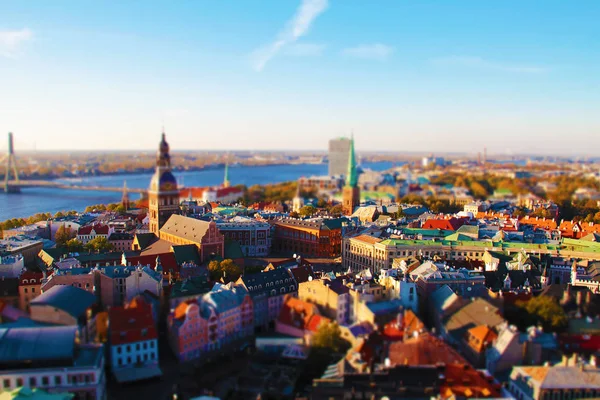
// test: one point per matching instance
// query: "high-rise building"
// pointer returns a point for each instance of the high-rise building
(338, 156)
(163, 196)
(351, 191)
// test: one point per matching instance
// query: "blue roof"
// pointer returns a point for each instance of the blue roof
(385, 307)
(72, 300)
(47, 343)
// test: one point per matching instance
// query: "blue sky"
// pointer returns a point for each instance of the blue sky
(434, 76)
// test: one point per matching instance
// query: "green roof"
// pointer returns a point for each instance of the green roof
(456, 236)
(196, 285)
(375, 195)
(233, 250)
(145, 239)
(23, 393)
(440, 233)
(469, 229)
(186, 253)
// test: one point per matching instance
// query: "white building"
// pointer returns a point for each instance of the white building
(400, 288)
(91, 232)
(142, 279)
(133, 340)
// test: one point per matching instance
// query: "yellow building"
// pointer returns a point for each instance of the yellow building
(331, 296)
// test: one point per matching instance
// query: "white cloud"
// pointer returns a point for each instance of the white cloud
(297, 27)
(11, 42)
(375, 51)
(481, 63)
(305, 49)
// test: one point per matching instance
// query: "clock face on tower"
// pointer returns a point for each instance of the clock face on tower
(167, 186)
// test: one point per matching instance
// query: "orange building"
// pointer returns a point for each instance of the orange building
(310, 238)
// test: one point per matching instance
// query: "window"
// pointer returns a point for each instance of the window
(6, 384)
(19, 382)
(128, 348)
(32, 382)
(24, 290)
(119, 349)
(45, 381)
(32, 290)
(57, 380)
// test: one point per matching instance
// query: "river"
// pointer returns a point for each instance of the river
(34, 200)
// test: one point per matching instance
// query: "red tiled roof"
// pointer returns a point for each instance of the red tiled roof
(423, 350)
(222, 192)
(410, 323)
(316, 321)
(585, 343)
(542, 223)
(99, 229)
(132, 324)
(167, 261)
(462, 380)
(32, 278)
(450, 224)
(296, 312)
(195, 192)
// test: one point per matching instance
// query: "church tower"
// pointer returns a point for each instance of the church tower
(163, 196)
(351, 191)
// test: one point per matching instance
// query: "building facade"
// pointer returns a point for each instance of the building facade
(253, 236)
(314, 237)
(30, 286)
(132, 336)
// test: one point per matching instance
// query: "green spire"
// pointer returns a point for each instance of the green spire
(351, 178)
(226, 180)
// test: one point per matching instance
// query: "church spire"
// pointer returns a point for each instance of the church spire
(163, 159)
(351, 178)
(226, 179)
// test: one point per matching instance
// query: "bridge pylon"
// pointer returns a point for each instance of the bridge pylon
(11, 165)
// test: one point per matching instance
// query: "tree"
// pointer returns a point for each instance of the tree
(73, 246)
(307, 211)
(62, 235)
(336, 211)
(543, 310)
(226, 269)
(99, 244)
(329, 337)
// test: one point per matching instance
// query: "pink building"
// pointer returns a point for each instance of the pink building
(188, 331)
(217, 321)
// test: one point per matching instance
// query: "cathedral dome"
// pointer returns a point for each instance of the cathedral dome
(163, 181)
